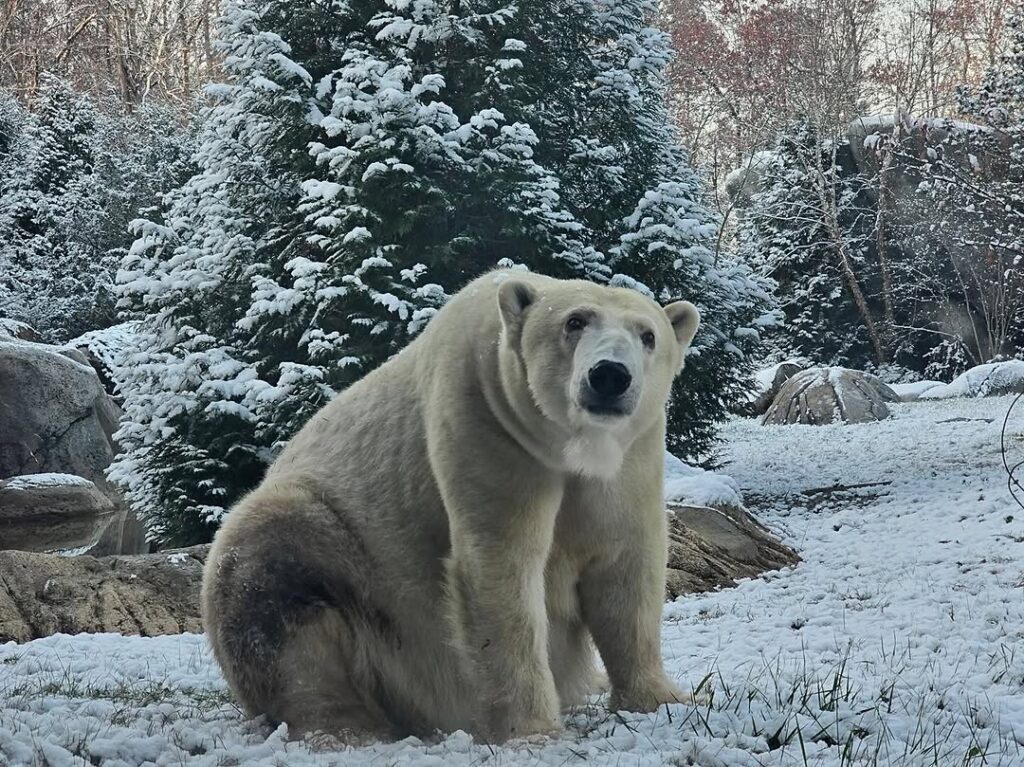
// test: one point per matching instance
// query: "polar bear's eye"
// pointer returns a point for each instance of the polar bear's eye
(575, 324)
(648, 338)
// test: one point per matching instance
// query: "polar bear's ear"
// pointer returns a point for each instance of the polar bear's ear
(685, 320)
(514, 297)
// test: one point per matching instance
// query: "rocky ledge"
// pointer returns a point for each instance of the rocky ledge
(151, 594)
(143, 594)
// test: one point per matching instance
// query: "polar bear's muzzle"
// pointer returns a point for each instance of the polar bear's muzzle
(606, 390)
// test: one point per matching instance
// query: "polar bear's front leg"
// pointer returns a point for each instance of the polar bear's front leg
(621, 597)
(496, 581)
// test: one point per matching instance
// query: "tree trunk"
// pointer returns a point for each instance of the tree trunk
(882, 246)
(830, 212)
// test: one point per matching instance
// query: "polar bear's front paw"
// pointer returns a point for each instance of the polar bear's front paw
(538, 738)
(528, 729)
(648, 698)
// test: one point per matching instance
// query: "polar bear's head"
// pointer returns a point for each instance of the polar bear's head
(598, 361)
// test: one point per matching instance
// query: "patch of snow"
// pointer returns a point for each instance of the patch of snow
(753, 166)
(76, 551)
(694, 486)
(52, 479)
(915, 389)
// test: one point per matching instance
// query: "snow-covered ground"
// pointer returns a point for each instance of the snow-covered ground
(898, 641)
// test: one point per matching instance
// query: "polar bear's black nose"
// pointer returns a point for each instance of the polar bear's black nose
(609, 379)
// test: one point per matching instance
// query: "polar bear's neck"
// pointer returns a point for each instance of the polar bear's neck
(594, 454)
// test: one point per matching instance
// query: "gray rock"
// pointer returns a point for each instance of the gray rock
(55, 415)
(783, 372)
(829, 395)
(148, 595)
(57, 419)
(62, 513)
(712, 548)
(13, 330)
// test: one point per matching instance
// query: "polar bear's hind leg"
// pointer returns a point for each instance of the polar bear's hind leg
(288, 613)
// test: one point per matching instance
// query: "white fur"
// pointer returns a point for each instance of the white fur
(594, 454)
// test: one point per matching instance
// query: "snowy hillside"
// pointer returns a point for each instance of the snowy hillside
(898, 641)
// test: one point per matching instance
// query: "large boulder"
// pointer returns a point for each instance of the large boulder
(56, 420)
(711, 548)
(150, 594)
(994, 379)
(830, 395)
(65, 514)
(56, 416)
(713, 540)
(770, 382)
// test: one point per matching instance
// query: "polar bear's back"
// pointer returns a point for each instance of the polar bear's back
(367, 450)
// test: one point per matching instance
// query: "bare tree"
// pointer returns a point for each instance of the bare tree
(744, 70)
(137, 49)
(928, 49)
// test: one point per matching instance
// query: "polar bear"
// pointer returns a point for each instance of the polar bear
(441, 546)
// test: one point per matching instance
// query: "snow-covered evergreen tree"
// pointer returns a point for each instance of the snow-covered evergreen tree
(789, 234)
(363, 161)
(44, 270)
(72, 175)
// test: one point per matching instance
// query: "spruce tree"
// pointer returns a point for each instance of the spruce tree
(362, 162)
(73, 173)
(196, 271)
(44, 266)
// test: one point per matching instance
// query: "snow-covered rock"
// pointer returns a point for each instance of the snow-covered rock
(715, 547)
(56, 415)
(19, 331)
(991, 380)
(29, 482)
(713, 541)
(56, 442)
(830, 395)
(769, 381)
(61, 513)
